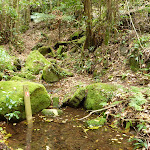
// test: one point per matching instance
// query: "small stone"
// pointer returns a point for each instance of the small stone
(52, 112)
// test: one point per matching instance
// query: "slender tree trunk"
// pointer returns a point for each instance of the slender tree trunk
(17, 19)
(88, 11)
(27, 15)
(50, 5)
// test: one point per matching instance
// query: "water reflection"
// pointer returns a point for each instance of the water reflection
(29, 136)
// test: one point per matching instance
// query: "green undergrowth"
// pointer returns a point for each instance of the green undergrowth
(5, 60)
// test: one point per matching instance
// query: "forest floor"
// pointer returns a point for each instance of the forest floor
(117, 72)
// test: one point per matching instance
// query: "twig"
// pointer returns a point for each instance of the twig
(94, 111)
(133, 24)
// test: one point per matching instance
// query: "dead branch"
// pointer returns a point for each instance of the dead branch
(99, 110)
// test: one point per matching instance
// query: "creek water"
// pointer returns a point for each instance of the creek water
(65, 132)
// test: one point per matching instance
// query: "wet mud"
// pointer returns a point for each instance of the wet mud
(65, 133)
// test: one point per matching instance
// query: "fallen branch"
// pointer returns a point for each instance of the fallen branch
(99, 110)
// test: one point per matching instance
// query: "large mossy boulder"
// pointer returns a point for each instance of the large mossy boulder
(11, 97)
(95, 96)
(36, 62)
(53, 73)
(98, 93)
(92, 96)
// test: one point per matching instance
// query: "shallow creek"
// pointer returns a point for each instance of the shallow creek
(65, 133)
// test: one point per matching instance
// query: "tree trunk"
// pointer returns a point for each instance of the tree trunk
(27, 14)
(88, 21)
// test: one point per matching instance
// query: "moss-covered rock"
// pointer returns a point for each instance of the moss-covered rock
(26, 75)
(36, 62)
(91, 96)
(11, 97)
(77, 98)
(47, 50)
(98, 93)
(50, 73)
(52, 112)
(76, 35)
(53, 73)
(36, 47)
(17, 78)
(94, 96)
(55, 101)
(61, 43)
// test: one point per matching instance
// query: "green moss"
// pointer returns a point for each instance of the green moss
(53, 73)
(38, 96)
(61, 43)
(76, 35)
(81, 40)
(50, 73)
(5, 60)
(98, 93)
(54, 61)
(36, 47)
(60, 50)
(74, 49)
(64, 55)
(99, 121)
(65, 72)
(55, 101)
(35, 62)
(47, 50)
(26, 74)
(52, 112)
(77, 98)
(17, 78)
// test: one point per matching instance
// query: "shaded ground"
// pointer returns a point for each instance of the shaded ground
(66, 133)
